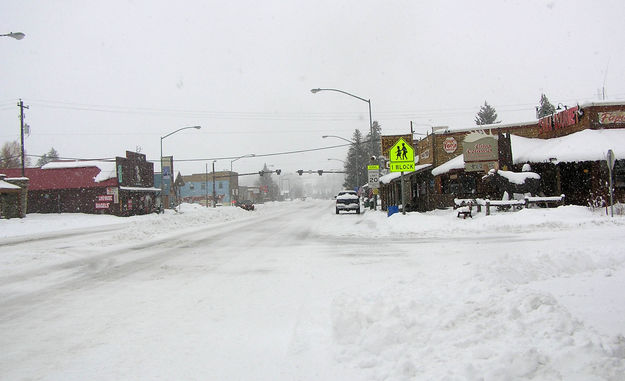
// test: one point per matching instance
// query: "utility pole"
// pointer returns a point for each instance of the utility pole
(22, 107)
(214, 190)
(206, 184)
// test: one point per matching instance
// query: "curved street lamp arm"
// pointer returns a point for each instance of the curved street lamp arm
(339, 137)
(180, 129)
(314, 91)
(15, 35)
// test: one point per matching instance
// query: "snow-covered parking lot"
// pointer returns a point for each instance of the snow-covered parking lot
(293, 291)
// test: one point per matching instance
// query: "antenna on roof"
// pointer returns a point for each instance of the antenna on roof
(605, 78)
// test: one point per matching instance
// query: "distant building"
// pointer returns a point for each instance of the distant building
(121, 187)
(198, 187)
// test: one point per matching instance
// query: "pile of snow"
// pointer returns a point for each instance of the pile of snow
(186, 216)
(515, 177)
(444, 223)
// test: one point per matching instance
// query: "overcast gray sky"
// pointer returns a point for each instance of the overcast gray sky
(105, 77)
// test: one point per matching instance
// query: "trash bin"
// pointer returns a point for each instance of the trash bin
(392, 209)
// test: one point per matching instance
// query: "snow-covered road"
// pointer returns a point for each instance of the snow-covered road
(294, 292)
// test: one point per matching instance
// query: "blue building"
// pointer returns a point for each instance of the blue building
(199, 187)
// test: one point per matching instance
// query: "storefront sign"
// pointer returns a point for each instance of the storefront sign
(425, 154)
(563, 119)
(104, 198)
(480, 147)
(102, 205)
(114, 191)
(450, 145)
(611, 117)
(482, 166)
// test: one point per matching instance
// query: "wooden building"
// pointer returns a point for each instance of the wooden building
(121, 187)
(578, 174)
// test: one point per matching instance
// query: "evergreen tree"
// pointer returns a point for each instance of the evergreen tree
(51, 155)
(486, 115)
(356, 164)
(266, 180)
(545, 108)
(374, 147)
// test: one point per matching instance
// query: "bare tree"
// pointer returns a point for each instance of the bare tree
(10, 155)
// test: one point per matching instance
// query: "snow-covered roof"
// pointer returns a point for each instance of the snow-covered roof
(107, 168)
(484, 127)
(526, 123)
(386, 179)
(7, 185)
(586, 145)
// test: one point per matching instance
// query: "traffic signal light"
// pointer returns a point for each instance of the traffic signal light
(320, 172)
(278, 171)
(300, 171)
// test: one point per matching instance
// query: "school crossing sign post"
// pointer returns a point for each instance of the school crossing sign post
(401, 156)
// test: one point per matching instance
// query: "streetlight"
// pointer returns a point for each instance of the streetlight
(15, 35)
(338, 137)
(241, 157)
(163, 137)
(232, 161)
(315, 91)
(357, 161)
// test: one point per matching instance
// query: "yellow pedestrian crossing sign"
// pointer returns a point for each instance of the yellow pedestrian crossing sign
(401, 156)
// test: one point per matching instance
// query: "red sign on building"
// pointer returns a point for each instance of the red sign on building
(102, 205)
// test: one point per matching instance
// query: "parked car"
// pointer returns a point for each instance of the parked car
(347, 200)
(245, 204)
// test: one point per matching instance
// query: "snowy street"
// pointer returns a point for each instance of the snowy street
(292, 291)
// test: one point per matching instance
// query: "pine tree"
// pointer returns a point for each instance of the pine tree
(357, 159)
(486, 115)
(374, 147)
(545, 108)
(266, 180)
(48, 157)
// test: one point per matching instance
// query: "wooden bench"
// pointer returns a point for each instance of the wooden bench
(552, 201)
(464, 207)
(465, 211)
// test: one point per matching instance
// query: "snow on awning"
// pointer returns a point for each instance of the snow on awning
(386, 179)
(107, 168)
(586, 145)
(139, 189)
